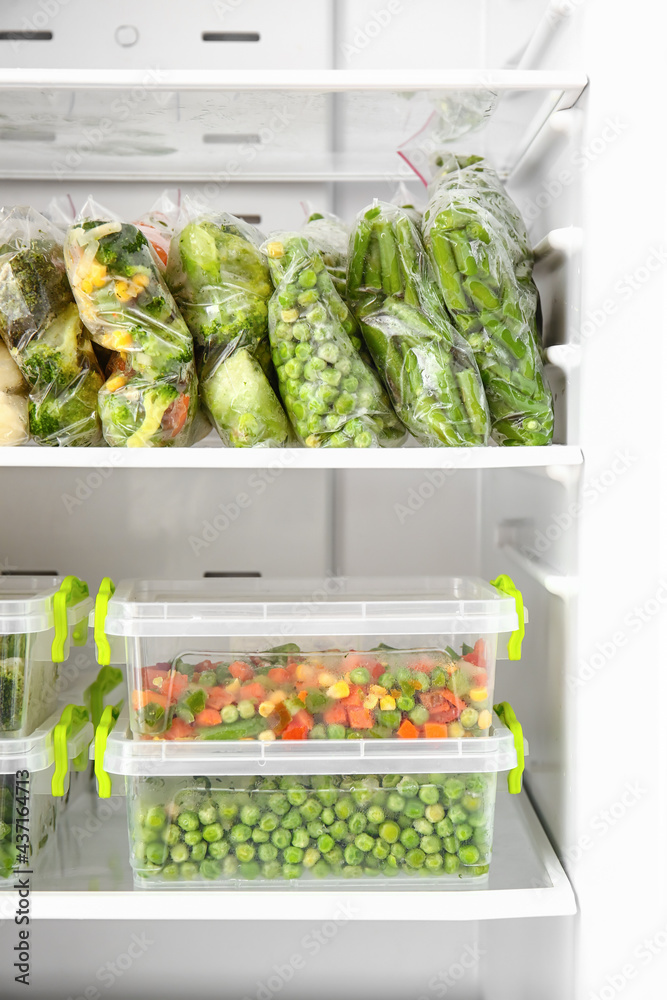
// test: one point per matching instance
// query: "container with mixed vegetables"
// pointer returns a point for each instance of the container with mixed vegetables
(404, 826)
(288, 694)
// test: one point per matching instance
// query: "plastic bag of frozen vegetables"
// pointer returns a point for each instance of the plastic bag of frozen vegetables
(13, 401)
(221, 282)
(150, 398)
(41, 327)
(332, 396)
(428, 368)
(330, 236)
(480, 252)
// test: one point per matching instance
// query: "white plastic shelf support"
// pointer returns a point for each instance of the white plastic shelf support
(210, 455)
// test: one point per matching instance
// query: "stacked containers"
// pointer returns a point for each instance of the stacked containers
(374, 720)
(33, 780)
(39, 618)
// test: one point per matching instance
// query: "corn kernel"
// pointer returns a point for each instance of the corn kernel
(96, 271)
(312, 441)
(304, 672)
(289, 315)
(266, 709)
(338, 690)
(117, 382)
(325, 679)
(233, 686)
(275, 249)
(370, 701)
(484, 720)
(275, 697)
(267, 735)
(377, 689)
(86, 286)
(387, 704)
(478, 694)
(140, 280)
(123, 291)
(122, 338)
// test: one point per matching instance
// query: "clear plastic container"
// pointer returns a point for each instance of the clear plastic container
(34, 778)
(39, 618)
(305, 660)
(368, 811)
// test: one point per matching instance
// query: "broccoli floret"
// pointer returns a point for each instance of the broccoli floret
(33, 290)
(155, 306)
(122, 252)
(68, 415)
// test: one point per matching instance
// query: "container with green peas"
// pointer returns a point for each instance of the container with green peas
(277, 826)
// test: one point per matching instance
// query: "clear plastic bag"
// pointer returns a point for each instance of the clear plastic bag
(221, 282)
(41, 327)
(159, 223)
(332, 396)
(150, 399)
(479, 248)
(13, 401)
(429, 370)
(329, 235)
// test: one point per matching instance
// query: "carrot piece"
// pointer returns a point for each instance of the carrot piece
(218, 697)
(335, 715)
(302, 695)
(241, 670)
(434, 730)
(294, 732)
(142, 698)
(279, 675)
(304, 718)
(252, 692)
(179, 730)
(360, 718)
(407, 730)
(355, 697)
(377, 671)
(208, 717)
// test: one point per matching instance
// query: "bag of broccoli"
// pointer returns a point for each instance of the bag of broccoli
(332, 396)
(479, 248)
(151, 399)
(41, 328)
(221, 282)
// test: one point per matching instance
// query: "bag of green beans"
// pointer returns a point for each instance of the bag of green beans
(428, 368)
(480, 252)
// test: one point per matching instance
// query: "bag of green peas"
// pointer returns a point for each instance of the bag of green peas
(332, 396)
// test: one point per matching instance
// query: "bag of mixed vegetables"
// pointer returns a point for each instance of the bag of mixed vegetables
(221, 282)
(150, 398)
(40, 325)
(479, 248)
(332, 396)
(429, 370)
(13, 401)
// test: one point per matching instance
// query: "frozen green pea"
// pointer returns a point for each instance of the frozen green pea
(170, 872)
(246, 709)
(405, 703)
(375, 814)
(429, 794)
(335, 856)
(293, 855)
(229, 713)
(171, 835)
(471, 802)
(311, 809)
(339, 830)
(419, 715)
(228, 810)
(208, 814)
(415, 858)
(353, 855)
(422, 826)
(357, 823)
(364, 842)
(250, 815)
(179, 853)
(245, 852)
(395, 802)
(344, 808)
(188, 870)
(397, 851)
(268, 822)
(445, 828)
(198, 852)
(272, 869)
(458, 814)
(453, 789)
(390, 832)
(188, 820)
(230, 866)
(278, 803)
(360, 675)
(156, 817)
(435, 813)
(218, 850)
(381, 850)
(192, 837)
(430, 844)
(259, 836)
(240, 833)
(468, 854)
(451, 864)
(410, 838)
(297, 796)
(468, 718)
(311, 857)
(463, 832)
(325, 843)
(300, 838)
(291, 871)
(281, 838)
(414, 808)
(157, 853)
(267, 852)
(433, 862)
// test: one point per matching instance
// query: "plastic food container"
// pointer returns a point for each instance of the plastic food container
(200, 814)
(304, 660)
(39, 617)
(34, 777)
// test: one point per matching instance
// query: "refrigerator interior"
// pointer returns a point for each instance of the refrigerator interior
(516, 68)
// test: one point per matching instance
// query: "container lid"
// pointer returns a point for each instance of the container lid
(331, 607)
(37, 603)
(67, 732)
(161, 758)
